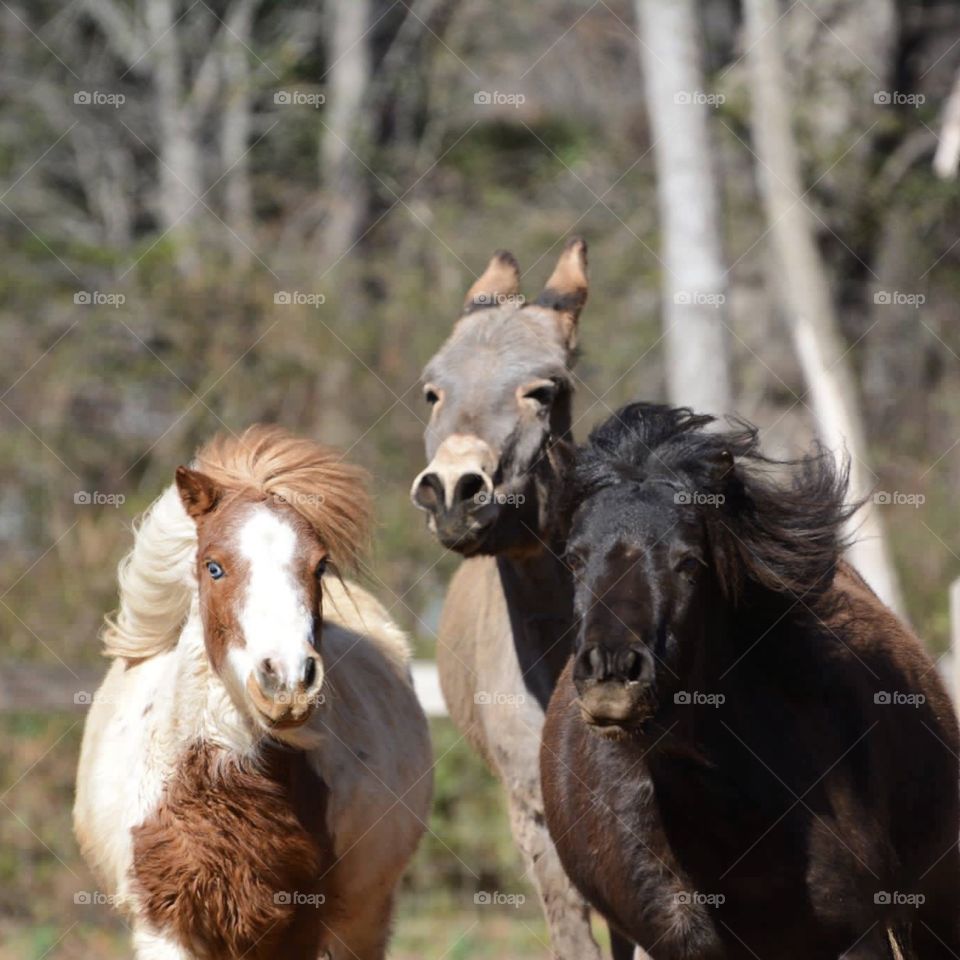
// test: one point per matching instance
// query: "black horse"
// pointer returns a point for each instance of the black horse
(749, 755)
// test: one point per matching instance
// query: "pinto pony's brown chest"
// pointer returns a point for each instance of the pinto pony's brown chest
(233, 861)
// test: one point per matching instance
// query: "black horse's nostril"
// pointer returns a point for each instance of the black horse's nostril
(627, 664)
(590, 664)
(429, 492)
(635, 665)
(468, 486)
(595, 659)
(631, 665)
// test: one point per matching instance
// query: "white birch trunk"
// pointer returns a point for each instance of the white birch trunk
(179, 174)
(235, 129)
(694, 276)
(806, 293)
(346, 128)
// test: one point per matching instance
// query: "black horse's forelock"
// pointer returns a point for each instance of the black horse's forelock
(781, 536)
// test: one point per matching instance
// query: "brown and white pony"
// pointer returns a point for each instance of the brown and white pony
(255, 771)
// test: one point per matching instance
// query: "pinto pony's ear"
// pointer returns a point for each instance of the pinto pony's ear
(198, 493)
(566, 291)
(501, 279)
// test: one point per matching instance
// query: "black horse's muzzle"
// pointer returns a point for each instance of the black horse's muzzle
(615, 686)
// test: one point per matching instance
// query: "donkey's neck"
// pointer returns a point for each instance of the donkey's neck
(538, 591)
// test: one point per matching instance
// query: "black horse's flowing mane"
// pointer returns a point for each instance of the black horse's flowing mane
(780, 535)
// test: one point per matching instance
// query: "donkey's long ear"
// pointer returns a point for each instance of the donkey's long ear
(198, 493)
(566, 290)
(501, 279)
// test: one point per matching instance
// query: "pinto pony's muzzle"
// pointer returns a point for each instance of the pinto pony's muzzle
(285, 697)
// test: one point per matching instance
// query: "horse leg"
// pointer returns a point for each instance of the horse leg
(362, 931)
(936, 929)
(567, 915)
(873, 945)
(148, 945)
(937, 938)
(622, 948)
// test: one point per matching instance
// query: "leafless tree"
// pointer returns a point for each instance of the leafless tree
(193, 87)
(346, 127)
(947, 157)
(805, 290)
(694, 274)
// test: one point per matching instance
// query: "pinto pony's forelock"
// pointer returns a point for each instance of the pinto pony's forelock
(783, 536)
(329, 493)
(157, 579)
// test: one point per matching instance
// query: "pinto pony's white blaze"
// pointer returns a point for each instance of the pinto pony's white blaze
(217, 659)
(279, 652)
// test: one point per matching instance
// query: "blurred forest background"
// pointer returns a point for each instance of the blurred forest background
(226, 211)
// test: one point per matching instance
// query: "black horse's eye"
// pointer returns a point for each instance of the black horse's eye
(321, 568)
(214, 569)
(688, 565)
(431, 394)
(574, 563)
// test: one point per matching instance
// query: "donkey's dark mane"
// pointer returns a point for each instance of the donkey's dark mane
(770, 537)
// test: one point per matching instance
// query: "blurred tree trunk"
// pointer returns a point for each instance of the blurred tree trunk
(184, 62)
(235, 132)
(948, 151)
(806, 293)
(694, 279)
(179, 171)
(346, 129)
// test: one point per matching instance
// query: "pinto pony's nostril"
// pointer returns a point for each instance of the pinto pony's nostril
(428, 492)
(309, 672)
(266, 667)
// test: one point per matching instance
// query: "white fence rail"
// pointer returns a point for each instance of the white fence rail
(54, 687)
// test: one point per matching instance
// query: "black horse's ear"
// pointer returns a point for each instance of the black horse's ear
(721, 464)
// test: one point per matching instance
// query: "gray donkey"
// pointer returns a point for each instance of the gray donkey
(498, 440)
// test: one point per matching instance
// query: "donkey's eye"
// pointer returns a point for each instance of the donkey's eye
(321, 568)
(574, 563)
(541, 393)
(431, 394)
(214, 569)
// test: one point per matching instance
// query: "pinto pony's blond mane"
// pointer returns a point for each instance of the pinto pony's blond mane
(157, 578)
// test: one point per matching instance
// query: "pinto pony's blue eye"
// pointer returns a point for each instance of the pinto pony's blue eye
(214, 569)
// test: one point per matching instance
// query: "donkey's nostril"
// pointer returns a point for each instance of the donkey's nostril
(468, 486)
(428, 493)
